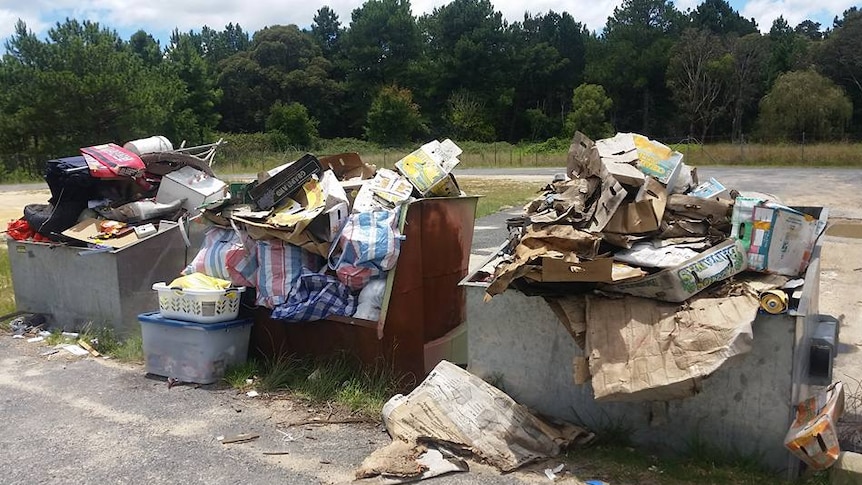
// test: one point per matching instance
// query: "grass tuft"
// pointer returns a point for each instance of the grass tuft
(339, 379)
(7, 295)
(237, 376)
(130, 349)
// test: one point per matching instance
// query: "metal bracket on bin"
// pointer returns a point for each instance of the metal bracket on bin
(822, 349)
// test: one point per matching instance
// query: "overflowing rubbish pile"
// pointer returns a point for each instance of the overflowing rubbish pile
(317, 238)
(110, 195)
(656, 276)
(311, 239)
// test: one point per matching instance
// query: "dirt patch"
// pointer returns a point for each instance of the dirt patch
(12, 203)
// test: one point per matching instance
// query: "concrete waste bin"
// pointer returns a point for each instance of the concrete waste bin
(79, 287)
(744, 409)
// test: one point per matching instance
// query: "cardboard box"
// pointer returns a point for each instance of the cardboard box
(88, 230)
(658, 161)
(643, 215)
(287, 181)
(348, 166)
(680, 283)
(781, 239)
(386, 190)
(428, 169)
(813, 436)
(601, 270)
(327, 226)
(191, 184)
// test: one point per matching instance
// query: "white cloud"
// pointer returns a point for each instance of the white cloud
(794, 11)
(160, 16)
(8, 19)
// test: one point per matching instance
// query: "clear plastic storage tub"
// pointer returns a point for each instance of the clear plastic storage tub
(193, 352)
(201, 306)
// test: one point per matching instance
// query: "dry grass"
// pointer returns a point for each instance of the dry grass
(499, 194)
(620, 465)
(816, 155)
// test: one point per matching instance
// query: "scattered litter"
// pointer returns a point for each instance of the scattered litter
(70, 334)
(596, 482)
(252, 394)
(74, 349)
(50, 352)
(240, 438)
(401, 462)
(286, 437)
(276, 452)
(813, 435)
(18, 336)
(89, 348)
(35, 339)
(552, 473)
(249, 381)
(44, 333)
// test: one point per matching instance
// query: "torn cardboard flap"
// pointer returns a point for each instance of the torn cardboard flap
(601, 270)
(625, 173)
(612, 195)
(88, 231)
(537, 241)
(453, 406)
(348, 166)
(642, 216)
(618, 149)
(642, 350)
(716, 212)
(567, 201)
(583, 159)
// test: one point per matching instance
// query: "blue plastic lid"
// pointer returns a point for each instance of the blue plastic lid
(158, 319)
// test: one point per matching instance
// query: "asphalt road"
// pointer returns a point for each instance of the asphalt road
(82, 420)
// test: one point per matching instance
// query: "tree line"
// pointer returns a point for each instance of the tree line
(461, 72)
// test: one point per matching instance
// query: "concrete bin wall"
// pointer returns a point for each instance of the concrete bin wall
(744, 409)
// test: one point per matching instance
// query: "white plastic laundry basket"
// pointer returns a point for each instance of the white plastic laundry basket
(200, 306)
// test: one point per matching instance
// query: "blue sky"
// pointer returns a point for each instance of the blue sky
(159, 17)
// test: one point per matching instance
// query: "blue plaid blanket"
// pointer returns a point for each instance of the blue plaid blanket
(315, 296)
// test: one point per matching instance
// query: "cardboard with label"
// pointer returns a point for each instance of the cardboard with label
(658, 160)
(781, 239)
(681, 282)
(429, 167)
(813, 435)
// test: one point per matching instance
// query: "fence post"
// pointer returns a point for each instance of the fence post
(803, 146)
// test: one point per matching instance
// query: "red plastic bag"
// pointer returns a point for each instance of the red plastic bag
(20, 230)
